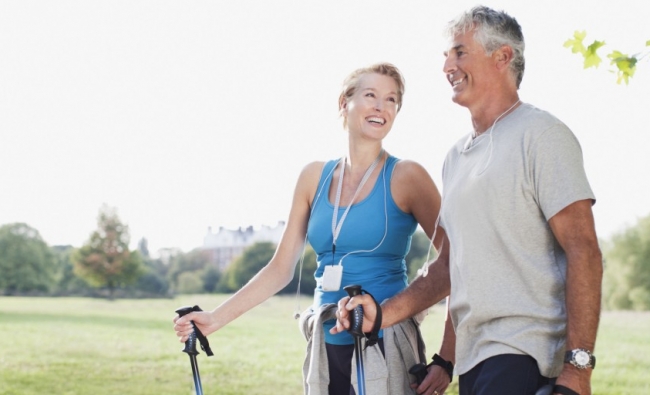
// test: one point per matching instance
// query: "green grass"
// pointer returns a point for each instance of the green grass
(80, 346)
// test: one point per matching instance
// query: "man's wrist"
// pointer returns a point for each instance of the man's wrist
(581, 358)
(562, 390)
(448, 366)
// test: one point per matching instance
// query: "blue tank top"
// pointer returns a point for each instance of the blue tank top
(381, 272)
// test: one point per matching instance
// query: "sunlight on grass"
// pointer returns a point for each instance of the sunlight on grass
(80, 346)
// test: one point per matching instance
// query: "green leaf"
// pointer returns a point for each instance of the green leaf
(625, 64)
(647, 43)
(576, 43)
(591, 57)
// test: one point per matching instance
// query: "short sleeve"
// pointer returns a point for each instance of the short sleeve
(558, 170)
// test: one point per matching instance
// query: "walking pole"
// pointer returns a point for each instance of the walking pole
(357, 332)
(190, 347)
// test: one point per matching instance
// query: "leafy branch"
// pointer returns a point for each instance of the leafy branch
(625, 64)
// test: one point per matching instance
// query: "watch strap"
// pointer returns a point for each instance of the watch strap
(568, 357)
(560, 389)
(448, 366)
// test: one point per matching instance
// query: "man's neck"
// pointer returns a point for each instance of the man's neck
(484, 117)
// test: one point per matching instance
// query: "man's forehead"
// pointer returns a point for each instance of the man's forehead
(460, 41)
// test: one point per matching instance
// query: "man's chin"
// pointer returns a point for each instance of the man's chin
(459, 99)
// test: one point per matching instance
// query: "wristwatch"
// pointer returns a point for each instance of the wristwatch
(580, 358)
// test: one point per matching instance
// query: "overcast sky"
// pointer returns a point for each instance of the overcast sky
(190, 114)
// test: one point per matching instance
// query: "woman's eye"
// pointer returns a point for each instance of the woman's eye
(394, 100)
(370, 94)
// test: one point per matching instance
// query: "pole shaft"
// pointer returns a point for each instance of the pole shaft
(195, 374)
(361, 375)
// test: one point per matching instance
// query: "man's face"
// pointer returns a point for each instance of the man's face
(469, 70)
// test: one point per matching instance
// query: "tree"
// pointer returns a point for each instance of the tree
(627, 270)
(154, 280)
(420, 243)
(625, 64)
(246, 266)
(26, 262)
(143, 247)
(67, 283)
(196, 262)
(211, 278)
(189, 283)
(105, 260)
(307, 281)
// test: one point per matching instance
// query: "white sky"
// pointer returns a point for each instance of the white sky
(190, 114)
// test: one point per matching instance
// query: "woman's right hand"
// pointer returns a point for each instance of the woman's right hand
(204, 321)
(344, 311)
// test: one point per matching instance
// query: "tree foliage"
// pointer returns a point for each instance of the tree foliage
(67, 282)
(197, 263)
(625, 64)
(420, 243)
(154, 280)
(27, 264)
(105, 260)
(306, 276)
(246, 266)
(254, 258)
(627, 270)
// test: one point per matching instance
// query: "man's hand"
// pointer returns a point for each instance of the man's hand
(576, 379)
(435, 383)
(346, 305)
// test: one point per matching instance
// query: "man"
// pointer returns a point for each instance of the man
(520, 259)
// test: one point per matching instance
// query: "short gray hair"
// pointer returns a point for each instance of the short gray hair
(493, 29)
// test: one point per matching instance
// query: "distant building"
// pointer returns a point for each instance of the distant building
(226, 245)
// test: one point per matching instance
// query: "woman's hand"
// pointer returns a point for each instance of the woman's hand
(204, 321)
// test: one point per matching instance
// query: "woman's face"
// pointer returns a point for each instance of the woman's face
(371, 110)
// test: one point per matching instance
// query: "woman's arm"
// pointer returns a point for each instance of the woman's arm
(415, 192)
(274, 276)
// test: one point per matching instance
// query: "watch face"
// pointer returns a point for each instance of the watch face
(581, 358)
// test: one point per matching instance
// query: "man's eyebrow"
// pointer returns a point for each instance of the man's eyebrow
(453, 49)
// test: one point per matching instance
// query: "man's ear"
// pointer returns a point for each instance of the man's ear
(503, 57)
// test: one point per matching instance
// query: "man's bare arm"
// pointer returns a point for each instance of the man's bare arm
(574, 229)
(421, 294)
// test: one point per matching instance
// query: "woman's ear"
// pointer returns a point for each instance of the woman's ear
(343, 106)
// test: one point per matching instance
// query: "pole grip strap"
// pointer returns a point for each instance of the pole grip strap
(372, 337)
(203, 340)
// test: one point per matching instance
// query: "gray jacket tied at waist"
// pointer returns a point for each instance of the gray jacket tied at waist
(385, 375)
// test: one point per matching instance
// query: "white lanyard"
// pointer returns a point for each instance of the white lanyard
(336, 228)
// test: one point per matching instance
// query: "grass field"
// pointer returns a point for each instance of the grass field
(74, 346)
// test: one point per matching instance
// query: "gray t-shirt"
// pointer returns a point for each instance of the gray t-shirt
(508, 272)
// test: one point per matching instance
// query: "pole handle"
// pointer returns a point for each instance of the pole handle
(190, 343)
(357, 314)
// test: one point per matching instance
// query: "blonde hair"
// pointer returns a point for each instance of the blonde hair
(351, 83)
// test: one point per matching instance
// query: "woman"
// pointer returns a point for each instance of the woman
(358, 212)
